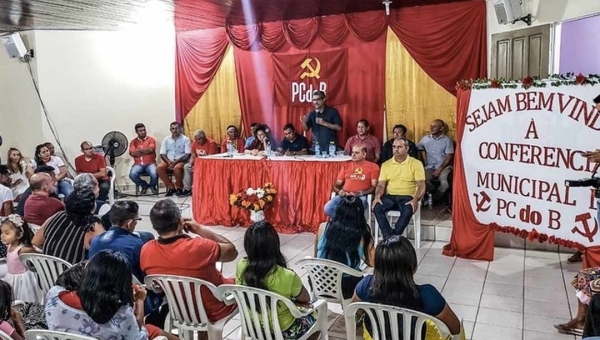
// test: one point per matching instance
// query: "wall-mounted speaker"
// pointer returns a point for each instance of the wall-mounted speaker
(14, 45)
(508, 11)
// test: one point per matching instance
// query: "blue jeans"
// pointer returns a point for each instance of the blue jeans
(137, 171)
(333, 203)
(388, 203)
(64, 187)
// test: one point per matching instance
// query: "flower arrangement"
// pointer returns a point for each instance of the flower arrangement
(527, 82)
(254, 199)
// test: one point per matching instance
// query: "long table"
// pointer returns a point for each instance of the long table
(304, 185)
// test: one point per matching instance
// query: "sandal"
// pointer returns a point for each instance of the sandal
(575, 258)
(569, 328)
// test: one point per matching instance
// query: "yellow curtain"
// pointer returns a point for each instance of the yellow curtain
(219, 106)
(412, 97)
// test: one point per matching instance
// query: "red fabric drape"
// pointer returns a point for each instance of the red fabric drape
(199, 56)
(470, 239)
(448, 41)
(303, 189)
(591, 257)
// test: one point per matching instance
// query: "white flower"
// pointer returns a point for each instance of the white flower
(249, 191)
(260, 193)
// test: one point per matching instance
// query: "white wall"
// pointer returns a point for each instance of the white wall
(543, 12)
(92, 83)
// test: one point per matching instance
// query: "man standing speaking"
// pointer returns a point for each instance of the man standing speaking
(325, 122)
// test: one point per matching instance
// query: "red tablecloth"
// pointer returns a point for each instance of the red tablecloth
(303, 189)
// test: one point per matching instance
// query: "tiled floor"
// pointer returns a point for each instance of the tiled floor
(519, 295)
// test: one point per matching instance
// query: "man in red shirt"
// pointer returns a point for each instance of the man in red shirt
(202, 146)
(358, 178)
(370, 142)
(93, 163)
(233, 139)
(40, 206)
(143, 151)
(176, 253)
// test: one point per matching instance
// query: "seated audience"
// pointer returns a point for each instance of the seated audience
(68, 234)
(392, 283)
(40, 206)
(43, 157)
(143, 150)
(11, 321)
(586, 287)
(250, 139)
(6, 195)
(175, 253)
(202, 146)
(20, 171)
(399, 131)
(94, 164)
(293, 144)
(439, 149)
(42, 169)
(400, 187)
(358, 178)
(104, 306)
(258, 147)
(265, 267)
(346, 239)
(232, 139)
(175, 151)
(370, 142)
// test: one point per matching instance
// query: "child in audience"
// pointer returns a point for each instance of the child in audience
(265, 268)
(8, 313)
(392, 283)
(17, 236)
(347, 239)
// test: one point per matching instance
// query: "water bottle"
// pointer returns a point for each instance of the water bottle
(229, 148)
(317, 150)
(430, 200)
(269, 150)
(332, 149)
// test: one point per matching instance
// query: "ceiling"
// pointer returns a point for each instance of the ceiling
(16, 15)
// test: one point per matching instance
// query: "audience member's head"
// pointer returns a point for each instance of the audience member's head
(359, 152)
(80, 206)
(597, 102)
(346, 230)
(106, 286)
(399, 131)
(253, 127)
(50, 147)
(175, 129)
(318, 98)
(6, 300)
(437, 127)
(46, 169)
(5, 176)
(16, 231)
(263, 251)
(125, 214)
(71, 277)
(261, 133)
(86, 181)
(42, 154)
(290, 131)
(140, 130)
(87, 148)
(200, 136)
(14, 160)
(166, 217)
(232, 132)
(395, 265)
(362, 127)
(41, 183)
(400, 147)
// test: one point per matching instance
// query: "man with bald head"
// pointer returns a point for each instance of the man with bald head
(202, 146)
(93, 163)
(40, 206)
(439, 149)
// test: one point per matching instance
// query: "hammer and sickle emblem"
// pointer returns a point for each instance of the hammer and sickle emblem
(589, 234)
(483, 204)
(309, 70)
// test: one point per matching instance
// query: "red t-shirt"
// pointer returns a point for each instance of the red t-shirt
(239, 144)
(148, 143)
(193, 257)
(357, 176)
(94, 165)
(39, 208)
(208, 148)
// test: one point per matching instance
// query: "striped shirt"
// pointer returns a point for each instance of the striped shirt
(63, 239)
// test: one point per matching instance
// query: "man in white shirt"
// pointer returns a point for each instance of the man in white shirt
(175, 152)
(6, 195)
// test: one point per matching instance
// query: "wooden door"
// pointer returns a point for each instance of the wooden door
(521, 53)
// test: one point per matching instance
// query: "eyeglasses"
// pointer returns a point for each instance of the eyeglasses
(136, 219)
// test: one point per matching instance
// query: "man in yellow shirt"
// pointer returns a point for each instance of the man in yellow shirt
(401, 186)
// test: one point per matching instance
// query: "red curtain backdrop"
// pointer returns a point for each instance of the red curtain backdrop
(448, 41)
(470, 239)
(199, 56)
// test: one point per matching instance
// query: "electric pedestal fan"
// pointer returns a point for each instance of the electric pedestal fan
(114, 145)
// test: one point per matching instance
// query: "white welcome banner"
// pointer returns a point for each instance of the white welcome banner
(519, 146)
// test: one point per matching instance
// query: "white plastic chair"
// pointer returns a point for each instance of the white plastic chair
(48, 268)
(326, 278)
(5, 336)
(112, 174)
(416, 219)
(42, 334)
(184, 299)
(384, 316)
(368, 211)
(261, 321)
